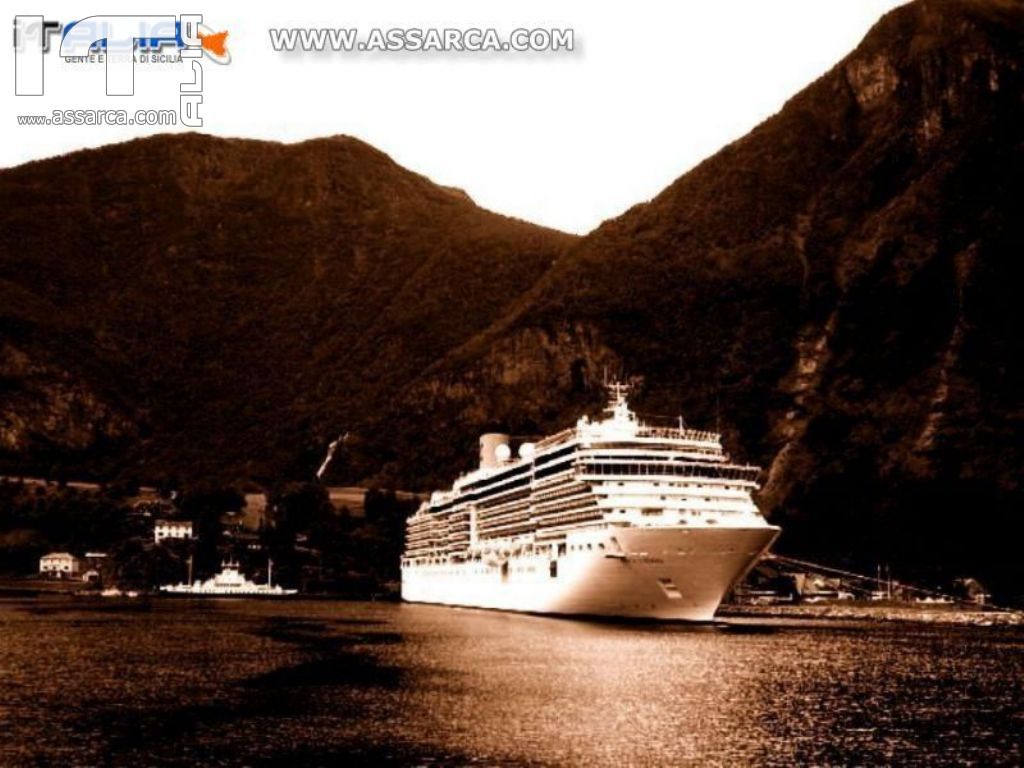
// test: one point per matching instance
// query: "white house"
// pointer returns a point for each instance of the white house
(172, 529)
(59, 564)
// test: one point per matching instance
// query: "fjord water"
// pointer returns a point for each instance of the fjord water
(330, 683)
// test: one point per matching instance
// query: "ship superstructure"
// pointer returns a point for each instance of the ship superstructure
(612, 517)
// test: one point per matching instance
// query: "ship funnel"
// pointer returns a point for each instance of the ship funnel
(489, 448)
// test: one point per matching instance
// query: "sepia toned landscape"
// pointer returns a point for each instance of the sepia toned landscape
(279, 421)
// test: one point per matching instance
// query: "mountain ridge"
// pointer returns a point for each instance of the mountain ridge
(828, 285)
(318, 245)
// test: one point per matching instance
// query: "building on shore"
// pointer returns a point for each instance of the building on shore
(93, 565)
(153, 508)
(61, 565)
(172, 529)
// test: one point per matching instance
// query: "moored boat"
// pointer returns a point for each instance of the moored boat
(229, 582)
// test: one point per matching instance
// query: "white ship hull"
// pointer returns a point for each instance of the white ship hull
(610, 518)
(185, 590)
(670, 573)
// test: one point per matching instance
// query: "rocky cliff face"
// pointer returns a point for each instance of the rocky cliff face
(836, 289)
(233, 305)
(50, 410)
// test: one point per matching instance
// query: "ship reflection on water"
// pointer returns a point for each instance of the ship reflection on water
(308, 683)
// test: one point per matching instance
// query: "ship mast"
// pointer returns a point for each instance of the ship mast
(617, 392)
(617, 405)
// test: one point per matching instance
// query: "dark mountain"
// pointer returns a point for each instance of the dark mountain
(199, 306)
(837, 291)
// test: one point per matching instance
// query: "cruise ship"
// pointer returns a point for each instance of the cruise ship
(612, 517)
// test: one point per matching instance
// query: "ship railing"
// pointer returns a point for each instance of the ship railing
(642, 430)
(559, 437)
(521, 526)
(675, 433)
(631, 467)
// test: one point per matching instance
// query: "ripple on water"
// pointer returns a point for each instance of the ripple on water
(319, 683)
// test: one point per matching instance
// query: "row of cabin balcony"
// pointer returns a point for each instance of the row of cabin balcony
(672, 491)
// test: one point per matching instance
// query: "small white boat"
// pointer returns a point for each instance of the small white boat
(229, 583)
(939, 600)
(115, 592)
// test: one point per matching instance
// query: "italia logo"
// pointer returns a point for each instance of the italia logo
(119, 42)
(213, 43)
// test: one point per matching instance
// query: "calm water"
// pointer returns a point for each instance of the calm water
(319, 683)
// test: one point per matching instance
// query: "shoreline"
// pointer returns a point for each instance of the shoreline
(892, 612)
(69, 588)
(889, 612)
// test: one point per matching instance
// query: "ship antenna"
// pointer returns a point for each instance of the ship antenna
(617, 392)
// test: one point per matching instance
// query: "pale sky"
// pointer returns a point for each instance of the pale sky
(562, 139)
